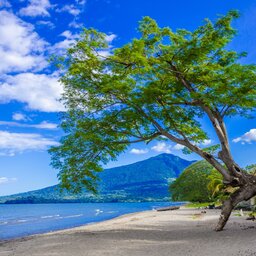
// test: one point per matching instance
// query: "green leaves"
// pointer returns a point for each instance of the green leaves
(161, 83)
(192, 184)
(212, 149)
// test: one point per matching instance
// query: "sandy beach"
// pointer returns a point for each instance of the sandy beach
(151, 233)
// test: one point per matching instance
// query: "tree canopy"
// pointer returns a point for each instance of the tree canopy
(159, 85)
(201, 183)
(192, 184)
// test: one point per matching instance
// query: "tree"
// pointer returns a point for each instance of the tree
(216, 186)
(200, 182)
(251, 169)
(159, 85)
(192, 184)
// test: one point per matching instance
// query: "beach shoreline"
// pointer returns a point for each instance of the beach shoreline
(180, 232)
(71, 229)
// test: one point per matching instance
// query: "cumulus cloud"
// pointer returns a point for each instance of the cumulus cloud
(5, 180)
(104, 53)
(70, 39)
(69, 8)
(36, 8)
(5, 4)
(110, 38)
(20, 117)
(107, 52)
(81, 2)
(14, 143)
(21, 49)
(61, 46)
(75, 24)
(67, 34)
(39, 91)
(47, 23)
(162, 147)
(45, 125)
(42, 125)
(178, 147)
(206, 142)
(137, 151)
(248, 137)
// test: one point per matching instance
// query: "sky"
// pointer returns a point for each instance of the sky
(32, 30)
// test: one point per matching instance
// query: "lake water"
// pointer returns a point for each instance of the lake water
(26, 219)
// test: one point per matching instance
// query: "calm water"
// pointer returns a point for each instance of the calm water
(27, 219)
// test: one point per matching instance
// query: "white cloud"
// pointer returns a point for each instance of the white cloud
(69, 8)
(81, 2)
(178, 147)
(4, 4)
(42, 125)
(47, 23)
(162, 147)
(61, 46)
(104, 54)
(39, 91)
(46, 125)
(4, 180)
(67, 34)
(14, 143)
(248, 137)
(110, 38)
(21, 49)
(139, 151)
(107, 52)
(19, 117)
(75, 24)
(36, 8)
(70, 39)
(206, 142)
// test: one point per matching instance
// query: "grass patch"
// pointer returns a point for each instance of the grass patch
(252, 214)
(200, 205)
(197, 205)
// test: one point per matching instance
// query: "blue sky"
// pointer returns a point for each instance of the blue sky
(30, 31)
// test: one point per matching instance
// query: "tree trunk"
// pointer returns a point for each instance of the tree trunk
(225, 214)
(245, 192)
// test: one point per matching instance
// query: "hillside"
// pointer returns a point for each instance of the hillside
(146, 180)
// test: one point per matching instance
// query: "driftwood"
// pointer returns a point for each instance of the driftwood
(251, 218)
(169, 208)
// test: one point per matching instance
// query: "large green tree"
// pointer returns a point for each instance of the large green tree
(159, 85)
(192, 184)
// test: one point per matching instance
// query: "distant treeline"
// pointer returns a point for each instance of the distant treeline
(34, 200)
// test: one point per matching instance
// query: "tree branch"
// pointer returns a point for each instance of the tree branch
(218, 126)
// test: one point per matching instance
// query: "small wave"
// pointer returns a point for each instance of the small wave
(112, 211)
(73, 216)
(98, 211)
(4, 223)
(47, 217)
(50, 216)
(21, 221)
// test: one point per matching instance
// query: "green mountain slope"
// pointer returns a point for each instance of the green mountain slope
(146, 180)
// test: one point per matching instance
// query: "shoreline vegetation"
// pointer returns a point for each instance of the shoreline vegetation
(186, 231)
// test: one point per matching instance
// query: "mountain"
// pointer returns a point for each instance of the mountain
(147, 180)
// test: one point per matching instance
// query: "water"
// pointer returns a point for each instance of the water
(26, 219)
